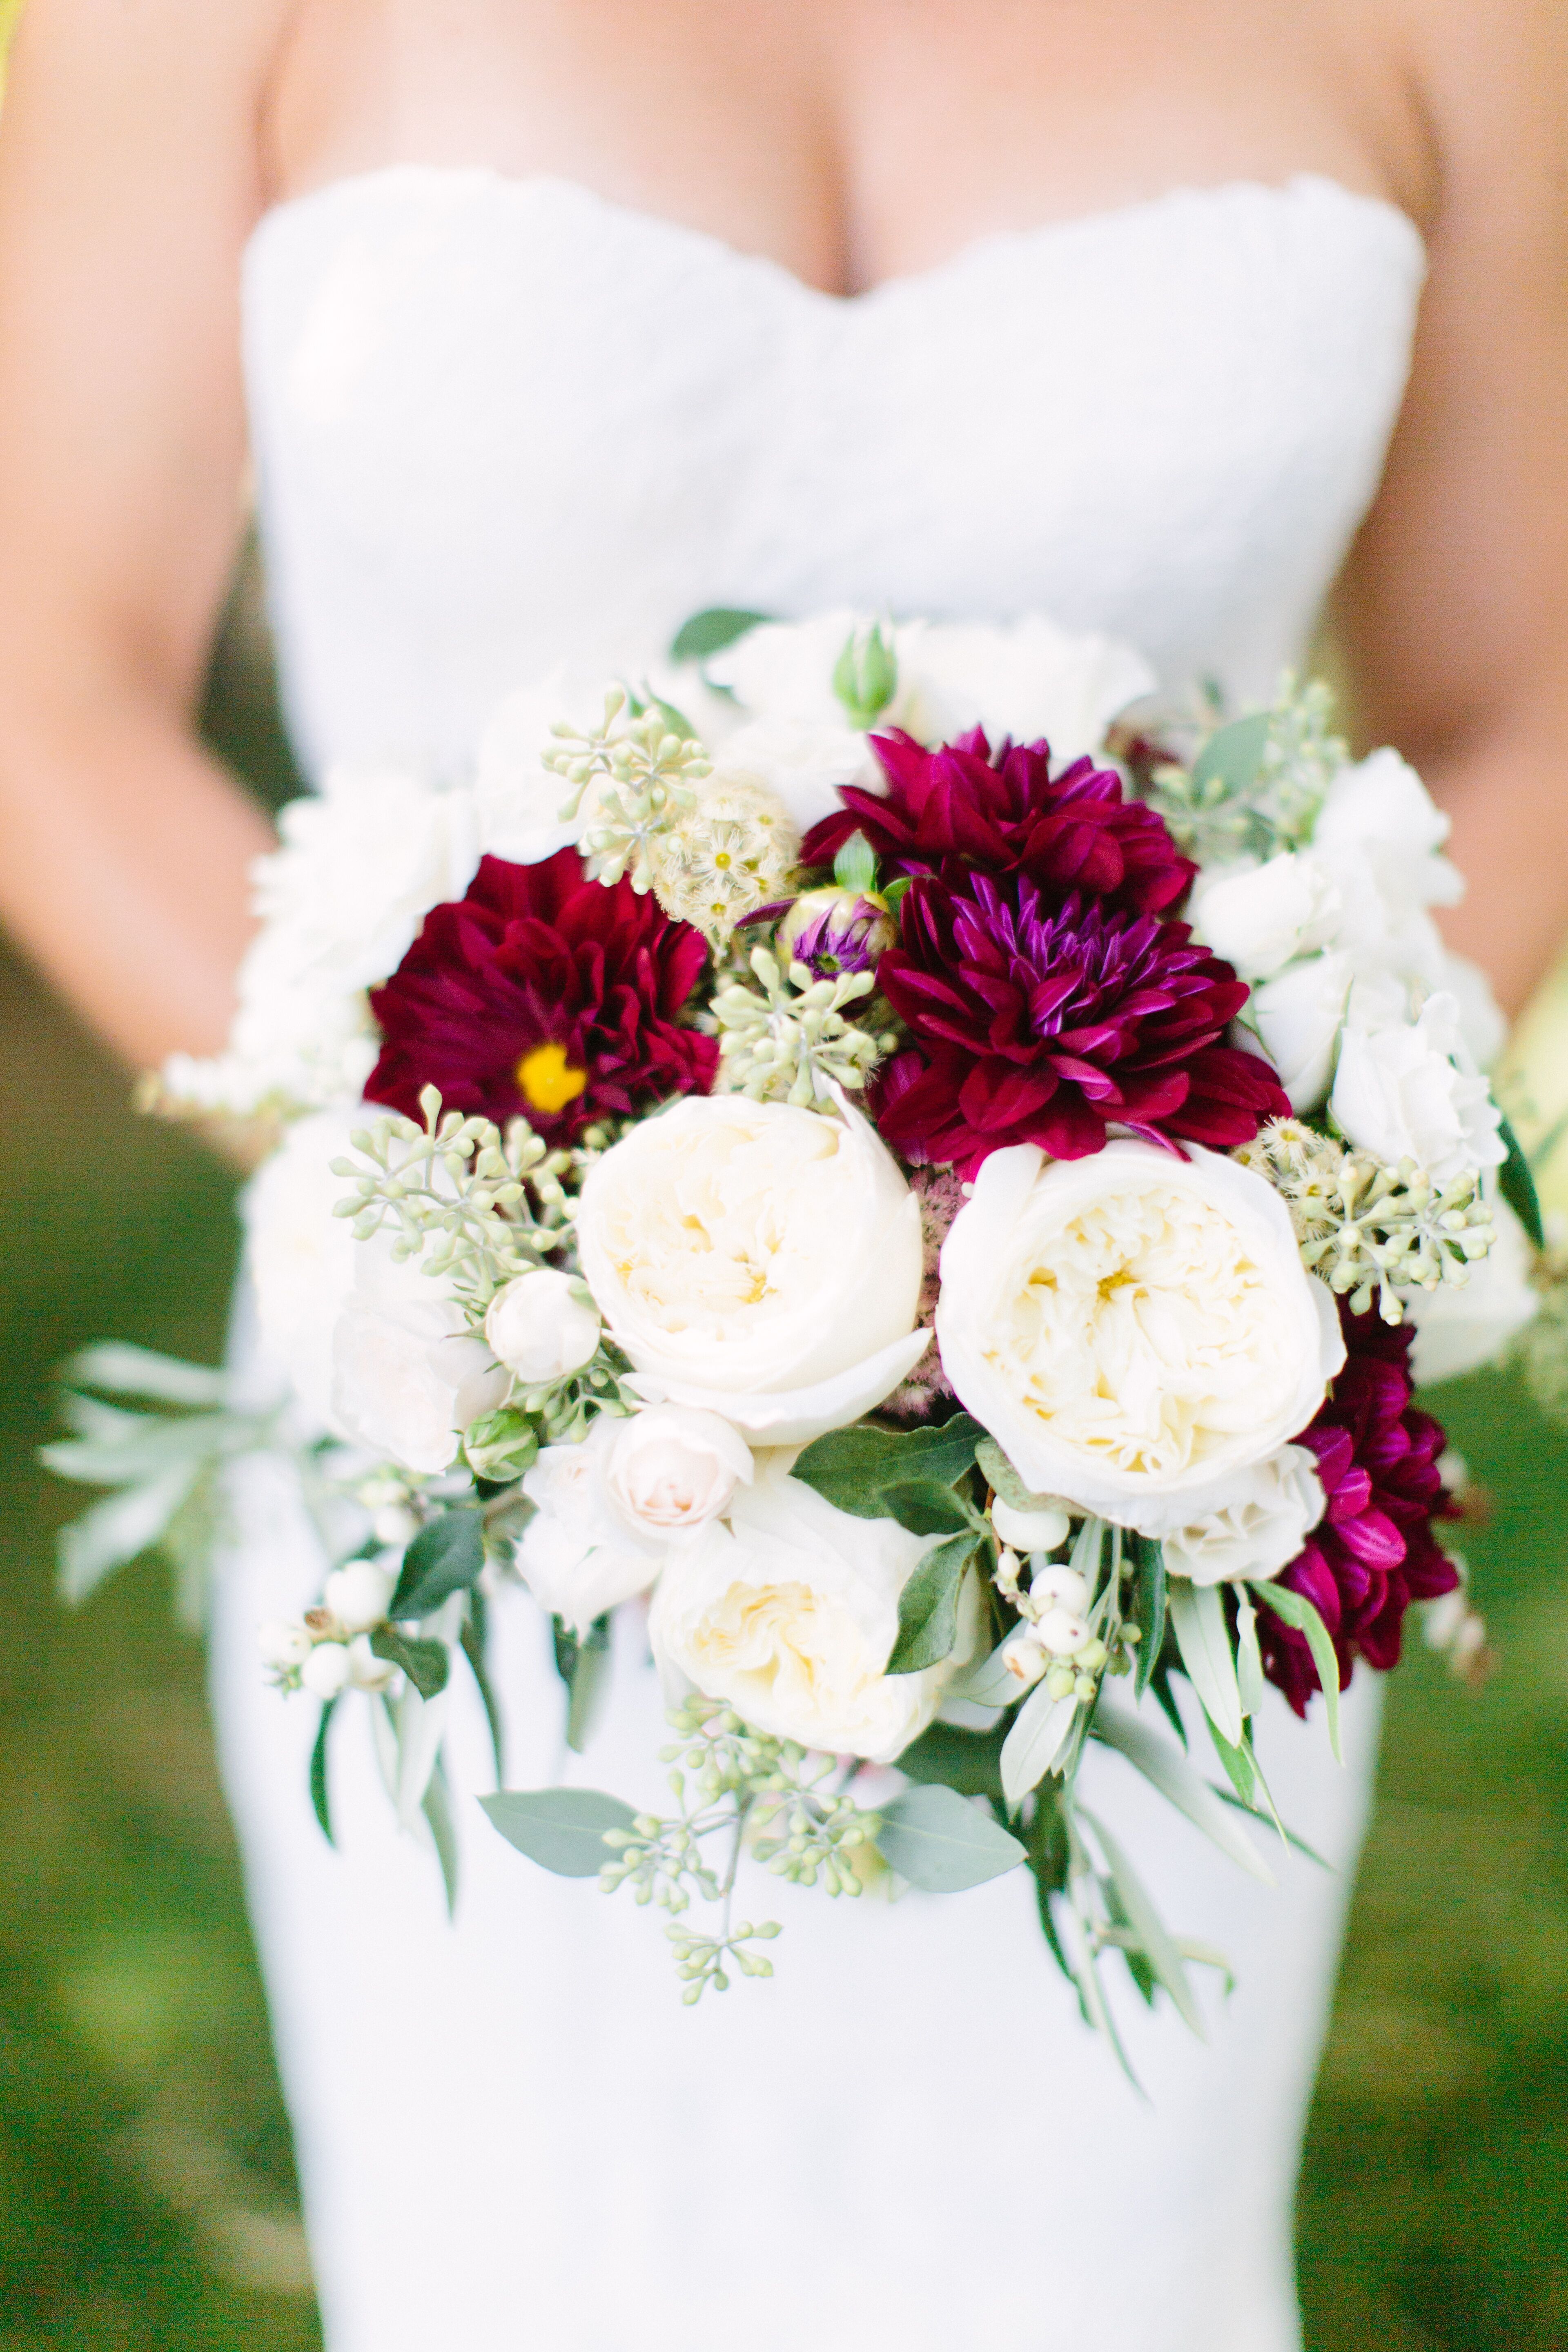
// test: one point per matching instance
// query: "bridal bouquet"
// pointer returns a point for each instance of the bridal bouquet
(910, 1166)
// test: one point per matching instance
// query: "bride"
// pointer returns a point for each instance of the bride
(546, 322)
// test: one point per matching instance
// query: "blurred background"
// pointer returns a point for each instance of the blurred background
(146, 2190)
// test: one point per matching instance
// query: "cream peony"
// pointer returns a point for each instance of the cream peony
(408, 1377)
(790, 1613)
(1400, 1092)
(756, 1261)
(578, 1554)
(1267, 1512)
(1132, 1327)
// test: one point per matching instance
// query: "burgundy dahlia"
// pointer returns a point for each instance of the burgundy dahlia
(1374, 1552)
(1003, 812)
(541, 994)
(1035, 1020)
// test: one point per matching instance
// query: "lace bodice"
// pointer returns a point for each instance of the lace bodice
(498, 422)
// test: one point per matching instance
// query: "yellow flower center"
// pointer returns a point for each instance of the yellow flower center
(548, 1080)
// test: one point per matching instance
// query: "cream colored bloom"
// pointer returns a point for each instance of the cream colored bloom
(1267, 1515)
(756, 1261)
(1132, 1327)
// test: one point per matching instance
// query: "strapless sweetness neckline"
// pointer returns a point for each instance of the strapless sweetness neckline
(1106, 221)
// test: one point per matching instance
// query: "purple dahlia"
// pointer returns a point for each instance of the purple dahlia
(1374, 1550)
(542, 994)
(1035, 1020)
(1002, 812)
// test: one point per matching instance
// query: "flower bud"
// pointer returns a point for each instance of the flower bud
(325, 1672)
(282, 1645)
(358, 1595)
(501, 1445)
(393, 1524)
(1062, 1587)
(539, 1326)
(1042, 1530)
(832, 931)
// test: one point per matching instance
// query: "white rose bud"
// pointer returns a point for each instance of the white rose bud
(326, 1671)
(357, 1595)
(672, 1469)
(283, 1644)
(1029, 1530)
(541, 1328)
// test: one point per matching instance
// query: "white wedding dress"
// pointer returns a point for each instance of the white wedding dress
(501, 423)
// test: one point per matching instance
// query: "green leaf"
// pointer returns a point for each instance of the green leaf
(1203, 1637)
(560, 1829)
(1299, 1612)
(1234, 754)
(1160, 1684)
(1517, 1186)
(589, 1686)
(854, 1468)
(928, 1607)
(476, 1627)
(969, 1761)
(927, 1508)
(707, 632)
(444, 1558)
(125, 1370)
(855, 867)
(1155, 1937)
(1003, 1479)
(1166, 1768)
(119, 1529)
(942, 1843)
(1149, 1555)
(1040, 1734)
(426, 1663)
(436, 1806)
(1241, 1768)
(319, 1797)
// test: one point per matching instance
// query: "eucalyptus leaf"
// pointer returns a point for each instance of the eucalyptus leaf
(445, 1557)
(942, 1843)
(1517, 1186)
(855, 1469)
(126, 1370)
(969, 1761)
(560, 1829)
(1155, 1937)
(708, 632)
(1166, 1768)
(1298, 1610)
(426, 1663)
(928, 1607)
(1149, 1556)
(1197, 1617)
(1040, 1733)
(1234, 754)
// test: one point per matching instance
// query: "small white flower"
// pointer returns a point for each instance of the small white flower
(670, 1470)
(1400, 1094)
(756, 1261)
(283, 1643)
(1132, 1327)
(790, 1613)
(1253, 1530)
(1299, 1014)
(1259, 917)
(540, 1327)
(326, 1672)
(408, 1376)
(358, 1595)
(1379, 837)
(1459, 1327)
(580, 1556)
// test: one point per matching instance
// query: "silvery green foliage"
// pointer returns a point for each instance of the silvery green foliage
(788, 1040)
(637, 769)
(1370, 1230)
(1256, 785)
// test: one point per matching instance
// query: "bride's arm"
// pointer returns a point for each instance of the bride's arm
(128, 182)
(1454, 607)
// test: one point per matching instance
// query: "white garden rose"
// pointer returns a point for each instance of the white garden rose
(1025, 678)
(1400, 1093)
(670, 1470)
(1268, 1512)
(804, 762)
(578, 1554)
(1459, 1327)
(1132, 1327)
(1379, 837)
(1298, 1015)
(789, 1613)
(756, 1261)
(541, 1328)
(408, 1377)
(1259, 917)
(301, 1257)
(360, 866)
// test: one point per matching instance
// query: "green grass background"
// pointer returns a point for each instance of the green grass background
(146, 2193)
